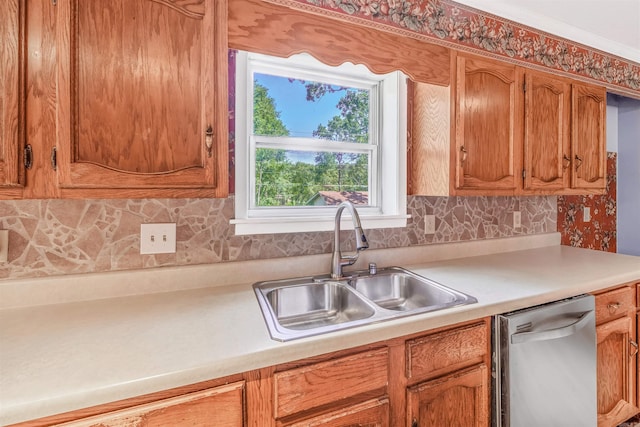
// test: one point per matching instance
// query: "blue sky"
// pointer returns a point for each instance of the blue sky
(300, 116)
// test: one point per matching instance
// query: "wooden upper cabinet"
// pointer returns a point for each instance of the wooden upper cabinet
(547, 130)
(589, 104)
(12, 14)
(488, 119)
(142, 90)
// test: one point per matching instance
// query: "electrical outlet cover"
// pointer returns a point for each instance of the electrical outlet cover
(4, 245)
(429, 224)
(158, 238)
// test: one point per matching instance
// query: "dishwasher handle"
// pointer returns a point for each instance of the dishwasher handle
(550, 334)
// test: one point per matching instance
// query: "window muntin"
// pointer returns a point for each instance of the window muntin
(366, 169)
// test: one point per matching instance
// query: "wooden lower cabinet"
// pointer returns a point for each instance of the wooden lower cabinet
(372, 413)
(457, 399)
(220, 407)
(617, 356)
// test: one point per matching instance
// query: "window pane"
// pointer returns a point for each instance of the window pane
(285, 106)
(302, 178)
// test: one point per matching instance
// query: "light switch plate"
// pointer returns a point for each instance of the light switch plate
(517, 219)
(429, 224)
(158, 238)
(4, 245)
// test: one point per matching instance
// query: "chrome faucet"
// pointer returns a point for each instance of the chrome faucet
(338, 260)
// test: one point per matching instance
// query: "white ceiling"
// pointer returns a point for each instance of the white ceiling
(612, 25)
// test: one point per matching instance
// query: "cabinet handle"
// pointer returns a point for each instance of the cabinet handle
(208, 139)
(414, 423)
(54, 158)
(635, 348)
(28, 156)
(578, 159)
(613, 306)
(566, 160)
(464, 154)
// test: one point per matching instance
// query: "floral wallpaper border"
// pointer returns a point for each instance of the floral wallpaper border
(600, 232)
(448, 23)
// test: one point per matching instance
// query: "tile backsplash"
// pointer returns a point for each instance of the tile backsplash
(54, 237)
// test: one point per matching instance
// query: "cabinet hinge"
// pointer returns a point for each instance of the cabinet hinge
(524, 173)
(524, 87)
(54, 158)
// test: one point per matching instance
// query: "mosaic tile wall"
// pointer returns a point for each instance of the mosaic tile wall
(53, 237)
(601, 231)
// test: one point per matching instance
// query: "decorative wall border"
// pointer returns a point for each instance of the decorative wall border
(447, 23)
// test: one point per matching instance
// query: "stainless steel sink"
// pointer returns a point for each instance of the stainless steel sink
(315, 305)
(307, 306)
(402, 290)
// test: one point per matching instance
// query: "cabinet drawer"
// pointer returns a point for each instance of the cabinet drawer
(372, 413)
(315, 385)
(220, 406)
(613, 304)
(446, 351)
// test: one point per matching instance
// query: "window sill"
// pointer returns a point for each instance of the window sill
(313, 224)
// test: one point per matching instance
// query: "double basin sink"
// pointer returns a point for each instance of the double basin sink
(307, 306)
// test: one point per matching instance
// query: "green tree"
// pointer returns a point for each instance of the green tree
(344, 171)
(271, 165)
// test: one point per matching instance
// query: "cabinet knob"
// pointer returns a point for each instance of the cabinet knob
(464, 154)
(635, 348)
(613, 306)
(566, 161)
(578, 161)
(208, 139)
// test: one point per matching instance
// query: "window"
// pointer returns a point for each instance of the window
(309, 136)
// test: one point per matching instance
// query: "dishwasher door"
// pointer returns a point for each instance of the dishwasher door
(546, 365)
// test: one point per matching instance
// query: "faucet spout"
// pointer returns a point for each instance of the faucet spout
(339, 260)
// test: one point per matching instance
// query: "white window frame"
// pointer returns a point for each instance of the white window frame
(387, 182)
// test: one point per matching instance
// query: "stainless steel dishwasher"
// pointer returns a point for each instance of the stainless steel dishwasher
(545, 365)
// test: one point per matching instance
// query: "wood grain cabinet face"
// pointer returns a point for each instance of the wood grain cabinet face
(12, 23)
(588, 142)
(488, 115)
(617, 356)
(547, 151)
(217, 407)
(142, 93)
(457, 399)
(372, 413)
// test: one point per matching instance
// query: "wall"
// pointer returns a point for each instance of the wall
(628, 176)
(52, 237)
(600, 232)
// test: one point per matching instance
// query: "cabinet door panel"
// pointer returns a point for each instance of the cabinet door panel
(217, 407)
(458, 399)
(488, 125)
(547, 131)
(138, 83)
(373, 413)
(588, 137)
(616, 372)
(12, 14)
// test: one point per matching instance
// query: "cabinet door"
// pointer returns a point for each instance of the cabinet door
(488, 122)
(616, 372)
(217, 407)
(12, 13)
(142, 94)
(457, 399)
(588, 142)
(547, 152)
(373, 413)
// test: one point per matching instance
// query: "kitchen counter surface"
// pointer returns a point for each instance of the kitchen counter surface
(61, 357)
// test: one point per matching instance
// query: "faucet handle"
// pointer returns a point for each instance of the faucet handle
(373, 268)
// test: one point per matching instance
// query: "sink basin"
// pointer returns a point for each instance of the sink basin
(401, 290)
(314, 305)
(307, 306)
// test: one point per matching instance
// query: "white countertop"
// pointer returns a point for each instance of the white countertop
(70, 355)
